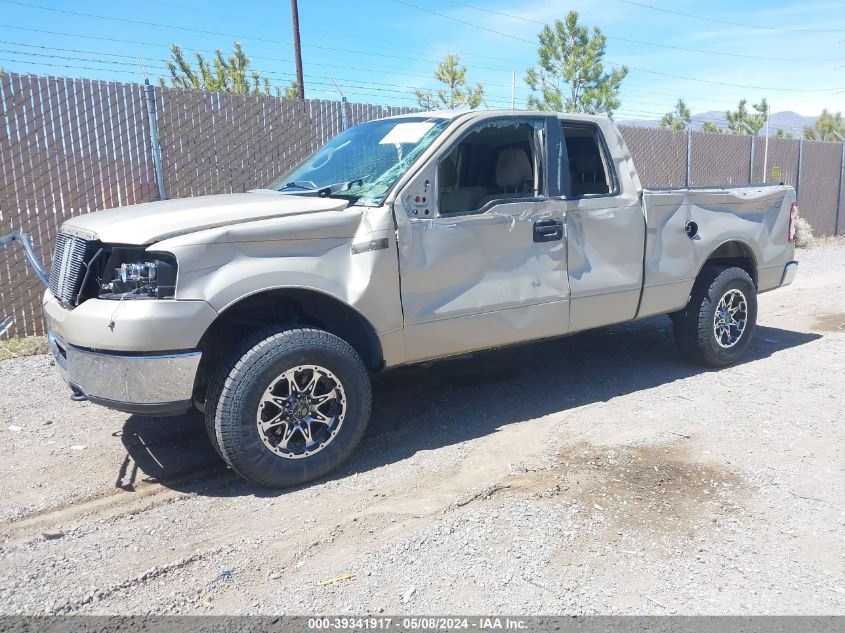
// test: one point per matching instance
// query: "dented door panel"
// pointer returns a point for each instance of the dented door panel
(605, 241)
(477, 281)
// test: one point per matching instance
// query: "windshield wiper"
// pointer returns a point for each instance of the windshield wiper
(306, 185)
(340, 187)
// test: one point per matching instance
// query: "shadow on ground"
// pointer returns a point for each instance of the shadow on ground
(424, 407)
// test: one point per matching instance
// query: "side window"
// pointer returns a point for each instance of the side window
(498, 160)
(589, 170)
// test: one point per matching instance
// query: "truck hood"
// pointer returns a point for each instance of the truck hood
(154, 221)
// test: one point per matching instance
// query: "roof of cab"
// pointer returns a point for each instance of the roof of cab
(454, 114)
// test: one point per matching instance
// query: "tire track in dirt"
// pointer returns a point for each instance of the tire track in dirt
(107, 506)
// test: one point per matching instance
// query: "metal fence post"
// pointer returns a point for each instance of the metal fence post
(344, 117)
(153, 116)
(839, 200)
(689, 157)
(798, 175)
(751, 161)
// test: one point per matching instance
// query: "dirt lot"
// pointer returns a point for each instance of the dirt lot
(594, 474)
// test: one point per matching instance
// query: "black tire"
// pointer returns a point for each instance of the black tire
(238, 388)
(693, 327)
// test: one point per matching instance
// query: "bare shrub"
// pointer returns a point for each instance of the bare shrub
(803, 234)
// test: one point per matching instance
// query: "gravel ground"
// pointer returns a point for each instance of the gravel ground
(592, 474)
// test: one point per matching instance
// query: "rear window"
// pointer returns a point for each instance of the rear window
(589, 169)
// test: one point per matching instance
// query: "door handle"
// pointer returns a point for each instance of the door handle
(548, 230)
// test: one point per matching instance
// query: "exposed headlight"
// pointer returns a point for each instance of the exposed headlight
(140, 275)
(143, 273)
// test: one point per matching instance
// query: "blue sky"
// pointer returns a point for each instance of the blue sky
(791, 52)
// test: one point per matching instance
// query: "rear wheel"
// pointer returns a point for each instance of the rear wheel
(716, 326)
(290, 406)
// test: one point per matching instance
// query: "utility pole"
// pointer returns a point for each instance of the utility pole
(297, 48)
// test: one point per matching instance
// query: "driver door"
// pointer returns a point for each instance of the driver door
(481, 251)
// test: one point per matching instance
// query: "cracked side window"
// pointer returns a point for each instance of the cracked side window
(498, 160)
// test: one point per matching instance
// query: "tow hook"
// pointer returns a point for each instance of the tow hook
(77, 395)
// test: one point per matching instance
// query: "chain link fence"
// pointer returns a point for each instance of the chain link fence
(71, 146)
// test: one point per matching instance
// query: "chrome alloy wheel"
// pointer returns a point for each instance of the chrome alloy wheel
(730, 318)
(301, 411)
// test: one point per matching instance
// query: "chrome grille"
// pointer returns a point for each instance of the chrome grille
(68, 267)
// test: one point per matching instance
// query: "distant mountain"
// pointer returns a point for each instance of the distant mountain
(787, 121)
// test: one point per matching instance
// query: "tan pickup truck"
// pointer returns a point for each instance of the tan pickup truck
(402, 240)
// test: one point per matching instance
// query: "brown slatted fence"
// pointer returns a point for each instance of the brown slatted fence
(70, 146)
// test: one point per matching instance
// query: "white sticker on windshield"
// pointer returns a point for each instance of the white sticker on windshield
(407, 133)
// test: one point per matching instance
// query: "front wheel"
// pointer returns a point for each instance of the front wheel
(290, 406)
(715, 327)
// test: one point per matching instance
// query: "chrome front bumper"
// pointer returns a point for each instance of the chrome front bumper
(136, 383)
(789, 272)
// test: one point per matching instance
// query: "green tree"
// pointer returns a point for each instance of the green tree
(221, 74)
(679, 119)
(291, 91)
(457, 93)
(708, 127)
(570, 75)
(739, 118)
(825, 127)
(781, 134)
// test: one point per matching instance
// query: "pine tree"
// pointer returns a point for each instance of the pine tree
(739, 118)
(291, 91)
(679, 119)
(570, 76)
(218, 75)
(825, 127)
(457, 93)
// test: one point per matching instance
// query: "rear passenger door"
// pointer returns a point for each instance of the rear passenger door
(482, 256)
(605, 230)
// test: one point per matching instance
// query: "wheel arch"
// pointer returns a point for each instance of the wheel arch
(294, 305)
(733, 252)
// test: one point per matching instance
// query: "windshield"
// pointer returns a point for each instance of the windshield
(368, 159)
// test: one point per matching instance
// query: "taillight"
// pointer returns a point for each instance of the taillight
(793, 211)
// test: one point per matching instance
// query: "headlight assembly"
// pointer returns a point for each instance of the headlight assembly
(139, 274)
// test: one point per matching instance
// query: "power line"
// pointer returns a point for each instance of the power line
(206, 52)
(454, 19)
(354, 87)
(367, 91)
(617, 64)
(728, 22)
(657, 44)
(232, 35)
(128, 21)
(625, 88)
(381, 41)
(493, 98)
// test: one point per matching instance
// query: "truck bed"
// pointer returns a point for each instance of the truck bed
(751, 220)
